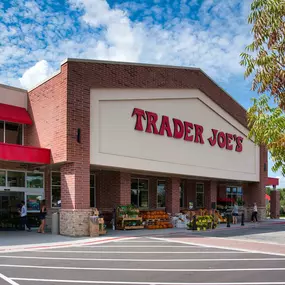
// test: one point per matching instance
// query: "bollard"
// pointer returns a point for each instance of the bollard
(242, 219)
(194, 227)
(228, 221)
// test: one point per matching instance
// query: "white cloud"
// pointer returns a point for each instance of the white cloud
(35, 74)
(281, 181)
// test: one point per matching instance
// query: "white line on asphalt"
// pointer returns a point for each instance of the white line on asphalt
(144, 283)
(138, 246)
(143, 252)
(9, 280)
(140, 260)
(219, 247)
(142, 269)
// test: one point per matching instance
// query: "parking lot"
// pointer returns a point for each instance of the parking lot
(140, 261)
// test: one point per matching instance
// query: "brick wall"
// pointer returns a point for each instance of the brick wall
(275, 204)
(211, 193)
(113, 189)
(47, 106)
(172, 195)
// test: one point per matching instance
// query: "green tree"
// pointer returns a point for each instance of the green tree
(264, 60)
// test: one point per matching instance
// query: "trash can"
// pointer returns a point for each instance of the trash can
(55, 223)
(94, 226)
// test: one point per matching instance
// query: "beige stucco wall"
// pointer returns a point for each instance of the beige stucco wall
(115, 143)
(13, 96)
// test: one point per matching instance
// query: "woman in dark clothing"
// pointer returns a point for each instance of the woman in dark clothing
(43, 213)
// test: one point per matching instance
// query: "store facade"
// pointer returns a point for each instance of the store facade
(152, 136)
(21, 176)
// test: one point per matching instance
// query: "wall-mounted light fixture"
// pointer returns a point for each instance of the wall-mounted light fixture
(79, 135)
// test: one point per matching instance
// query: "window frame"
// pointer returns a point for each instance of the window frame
(138, 179)
(51, 189)
(160, 180)
(23, 132)
(237, 194)
(200, 183)
(94, 188)
(182, 190)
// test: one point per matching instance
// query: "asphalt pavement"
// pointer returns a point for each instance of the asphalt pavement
(140, 260)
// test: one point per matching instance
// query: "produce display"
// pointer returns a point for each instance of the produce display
(156, 220)
(128, 218)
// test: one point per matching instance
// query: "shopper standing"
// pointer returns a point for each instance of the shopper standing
(43, 213)
(235, 213)
(24, 218)
(254, 213)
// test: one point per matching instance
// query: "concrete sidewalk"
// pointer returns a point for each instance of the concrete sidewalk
(23, 239)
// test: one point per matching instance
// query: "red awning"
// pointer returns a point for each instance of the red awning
(272, 181)
(21, 153)
(14, 114)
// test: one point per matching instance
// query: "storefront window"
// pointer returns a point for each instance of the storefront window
(35, 180)
(92, 190)
(55, 190)
(234, 194)
(1, 131)
(139, 193)
(33, 203)
(2, 178)
(199, 195)
(13, 133)
(181, 195)
(16, 179)
(160, 194)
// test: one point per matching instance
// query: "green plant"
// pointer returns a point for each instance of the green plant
(203, 223)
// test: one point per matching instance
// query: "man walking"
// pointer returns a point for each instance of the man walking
(24, 218)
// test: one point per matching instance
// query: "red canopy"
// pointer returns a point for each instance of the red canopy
(14, 114)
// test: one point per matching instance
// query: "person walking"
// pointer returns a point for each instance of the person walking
(254, 213)
(23, 216)
(235, 213)
(43, 213)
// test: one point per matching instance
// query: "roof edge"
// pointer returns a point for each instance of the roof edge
(127, 63)
(150, 65)
(13, 88)
(44, 80)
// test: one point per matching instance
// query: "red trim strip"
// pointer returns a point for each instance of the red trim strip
(20, 153)
(14, 114)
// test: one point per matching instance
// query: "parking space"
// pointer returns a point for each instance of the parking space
(141, 261)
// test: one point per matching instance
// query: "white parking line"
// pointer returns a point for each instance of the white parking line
(139, 246)
(144, 252)
(8, 280)
(143, 283)
(139, 260)
(143, 269)
(218, 247)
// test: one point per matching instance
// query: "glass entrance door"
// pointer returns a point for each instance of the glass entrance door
(9, 207)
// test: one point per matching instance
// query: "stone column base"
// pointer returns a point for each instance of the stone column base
(261, 216)
(74, 222)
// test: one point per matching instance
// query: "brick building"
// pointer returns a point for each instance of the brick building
(105, 134)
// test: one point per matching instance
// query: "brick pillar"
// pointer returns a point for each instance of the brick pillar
(172, 195)
(190, 189)
(47, 185)
(275, 204)
(254, 192)
(222, 193)
(75, 199)
(153, 192)
(114, 189)
(211, 193)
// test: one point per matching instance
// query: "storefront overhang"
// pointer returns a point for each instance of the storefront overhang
(14, 114)
(272, 181)
(27, 154)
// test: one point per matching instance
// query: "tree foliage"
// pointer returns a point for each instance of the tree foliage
(264, 60)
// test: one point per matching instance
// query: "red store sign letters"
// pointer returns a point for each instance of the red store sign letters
(185, 130)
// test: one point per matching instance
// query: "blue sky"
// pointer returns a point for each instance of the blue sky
(37, 35)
